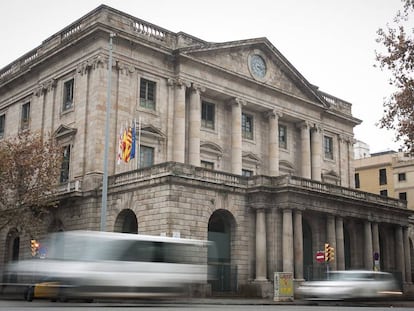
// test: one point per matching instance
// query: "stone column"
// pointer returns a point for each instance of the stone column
(331, 237)
(274, 142)
(179, 121)
(399, 252)
(316, 149)
(407, 256)
(287, 241)
(298, 244)
(194, 126)
(261, 252)
(340, 247)
(375, 242)
(305, 149)
(368, 253)
(236, 136)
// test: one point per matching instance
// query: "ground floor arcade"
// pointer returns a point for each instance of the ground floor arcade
(260, 225)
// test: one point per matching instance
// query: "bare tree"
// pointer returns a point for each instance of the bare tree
(29, 171)
(398, 57)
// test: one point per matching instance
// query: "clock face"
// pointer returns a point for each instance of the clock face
(258, 66)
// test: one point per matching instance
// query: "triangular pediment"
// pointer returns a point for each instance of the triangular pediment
(237, 57)
(64, 131)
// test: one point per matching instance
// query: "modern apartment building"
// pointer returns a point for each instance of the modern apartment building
(235, 146)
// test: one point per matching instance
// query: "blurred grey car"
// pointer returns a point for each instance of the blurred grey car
(349, 284)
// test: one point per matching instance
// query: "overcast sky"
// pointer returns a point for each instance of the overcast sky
(330, 42)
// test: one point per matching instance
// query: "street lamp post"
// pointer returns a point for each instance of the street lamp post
(106, 150)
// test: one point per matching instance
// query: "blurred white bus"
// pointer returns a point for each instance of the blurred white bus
(95, 264)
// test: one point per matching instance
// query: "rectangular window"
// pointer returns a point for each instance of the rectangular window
(383, 176)
(403, 196)
(206, 164)
(384, 193)
(207, 115)
(282, 137)
(146, 156)
(2, 125)
(64, 170)
(328, 147)
(68, 94)
(147, 94)
(247, 126)
(25, 116)
(247, 173)
(401, 176)
(357, 183)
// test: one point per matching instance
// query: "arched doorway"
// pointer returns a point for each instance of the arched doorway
(220, 231)
(12, 251)
(307, 251)
(126, 222)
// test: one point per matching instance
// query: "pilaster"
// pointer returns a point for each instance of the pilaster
(273, 117)
(194, 125)
(236, 135)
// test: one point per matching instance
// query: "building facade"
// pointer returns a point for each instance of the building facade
(235, 146)
(387, 173)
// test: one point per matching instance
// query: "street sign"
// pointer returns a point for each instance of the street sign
(320, 257)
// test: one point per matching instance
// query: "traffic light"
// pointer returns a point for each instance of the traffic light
(327, 251)
(34, 246)
(331, 254)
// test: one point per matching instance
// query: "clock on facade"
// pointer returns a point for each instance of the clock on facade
(258, 66)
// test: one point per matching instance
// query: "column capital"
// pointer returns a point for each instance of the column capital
(84, 68)
(197, 88)
(316, 127)
(124, 68)
(303, 125)
(98, 62)
(236, 101)
(45, 87)
(178, 82)
(273, 114)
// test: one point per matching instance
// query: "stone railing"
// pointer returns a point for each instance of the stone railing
(337, 104)
(178, 169)
(339, 191)
(103, 15)
(19, 64)
(226, 179)
(149, 30)
(69, 187)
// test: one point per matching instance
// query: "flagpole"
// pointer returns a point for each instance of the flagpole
(139, 143)
(106, 151)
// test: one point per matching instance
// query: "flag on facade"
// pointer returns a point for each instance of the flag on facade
(120, 146)
(134, 140)
(127, 144)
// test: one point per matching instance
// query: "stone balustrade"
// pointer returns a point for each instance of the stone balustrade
(228, 179)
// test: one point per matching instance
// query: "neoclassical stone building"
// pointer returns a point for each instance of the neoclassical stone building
(236, 146)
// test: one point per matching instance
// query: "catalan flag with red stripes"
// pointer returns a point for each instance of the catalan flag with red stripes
(127, 145)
